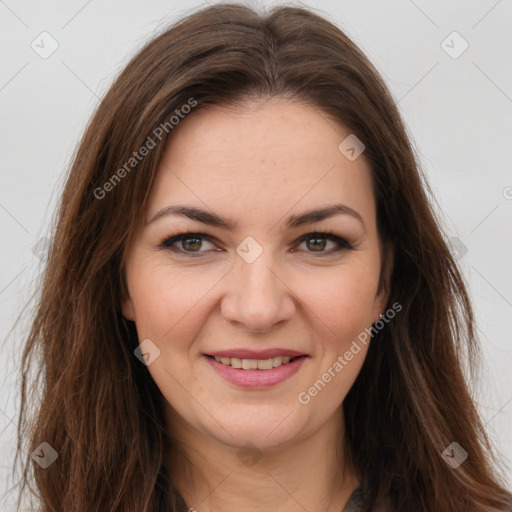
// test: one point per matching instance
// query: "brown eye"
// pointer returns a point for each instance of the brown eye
(316, 242)
(193, 244)
(190, 242)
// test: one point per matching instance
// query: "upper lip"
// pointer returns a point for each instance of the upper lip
(241, 353)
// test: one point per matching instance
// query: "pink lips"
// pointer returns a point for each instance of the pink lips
(256, 379)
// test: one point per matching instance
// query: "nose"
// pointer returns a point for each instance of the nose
(258, 297)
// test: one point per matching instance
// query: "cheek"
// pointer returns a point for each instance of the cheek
(168, 302)
(343, 301)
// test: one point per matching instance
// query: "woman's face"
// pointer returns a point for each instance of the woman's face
(258, 280)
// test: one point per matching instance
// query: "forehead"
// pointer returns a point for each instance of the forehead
(260, 159)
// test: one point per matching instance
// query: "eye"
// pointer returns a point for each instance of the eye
(192, 242)
(319, 242)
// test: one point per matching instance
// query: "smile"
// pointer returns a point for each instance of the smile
(254, 364)
(255, 373)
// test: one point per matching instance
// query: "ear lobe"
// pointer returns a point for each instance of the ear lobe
(381, 300)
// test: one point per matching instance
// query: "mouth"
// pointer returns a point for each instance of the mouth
(255, 364)
(254, 374)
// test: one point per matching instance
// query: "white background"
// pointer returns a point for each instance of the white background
(458, 111)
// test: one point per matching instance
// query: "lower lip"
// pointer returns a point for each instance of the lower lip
(256, 379)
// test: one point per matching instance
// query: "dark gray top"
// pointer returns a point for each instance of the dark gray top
(355, 502)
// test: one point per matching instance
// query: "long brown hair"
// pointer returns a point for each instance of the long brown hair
(100, 410)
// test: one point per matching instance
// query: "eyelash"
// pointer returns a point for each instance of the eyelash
(170, 240)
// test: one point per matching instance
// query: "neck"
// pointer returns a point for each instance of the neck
(309, 475)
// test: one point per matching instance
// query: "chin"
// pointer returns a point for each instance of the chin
(267, 432)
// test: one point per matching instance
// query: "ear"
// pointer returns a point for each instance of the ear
(127, 307)
(384, 288)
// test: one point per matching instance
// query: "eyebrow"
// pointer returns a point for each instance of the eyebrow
(293, 221)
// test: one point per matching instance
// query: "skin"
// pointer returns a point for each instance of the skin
(257, 165)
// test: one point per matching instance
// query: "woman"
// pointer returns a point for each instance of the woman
(249, 303)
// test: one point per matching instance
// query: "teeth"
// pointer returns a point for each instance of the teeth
(254, 364)
(249, 364)
(265, 365)
(277, 361)
(235, 362)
